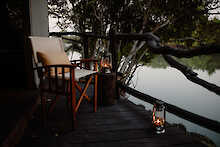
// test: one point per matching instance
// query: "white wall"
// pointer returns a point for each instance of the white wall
(39, 24)
(39, 17)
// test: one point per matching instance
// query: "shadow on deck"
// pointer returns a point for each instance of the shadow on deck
(122, 124)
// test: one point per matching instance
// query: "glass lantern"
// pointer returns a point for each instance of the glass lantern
(106, 61)
(159, 117)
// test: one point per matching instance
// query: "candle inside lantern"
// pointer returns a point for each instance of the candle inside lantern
(159, 122)
(106, 64)
(159, 117)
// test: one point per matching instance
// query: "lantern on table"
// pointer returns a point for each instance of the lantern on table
(159, 117)
(106, 61)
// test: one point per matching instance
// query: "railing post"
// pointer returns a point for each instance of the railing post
(112, 49)
(85, 46)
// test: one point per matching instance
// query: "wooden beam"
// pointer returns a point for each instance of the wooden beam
(85, 47)
(112, 49)
(87, 34)
(192, 117)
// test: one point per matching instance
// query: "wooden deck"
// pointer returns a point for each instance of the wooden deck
(122, 124)
(16, 109)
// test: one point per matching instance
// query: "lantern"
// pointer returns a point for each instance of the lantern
(106, 62)
(159, 117)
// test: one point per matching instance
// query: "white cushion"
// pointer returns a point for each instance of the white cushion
(79, 73)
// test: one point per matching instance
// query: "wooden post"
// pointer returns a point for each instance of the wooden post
(112, 49)
(95, 92)
(86, 50)
(85, 46)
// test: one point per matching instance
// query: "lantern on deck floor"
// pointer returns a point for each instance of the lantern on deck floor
(106, 62)
(159, 117)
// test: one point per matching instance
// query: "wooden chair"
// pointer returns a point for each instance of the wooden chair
(60, 76)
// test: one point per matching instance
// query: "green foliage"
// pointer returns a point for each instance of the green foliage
(208, 63)
(147, 58)
(204, 63)
(209, 32)
(125, 50)
(188, 18)
(157, 62)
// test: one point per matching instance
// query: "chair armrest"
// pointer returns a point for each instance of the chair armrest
(85, 63)
(56, 65)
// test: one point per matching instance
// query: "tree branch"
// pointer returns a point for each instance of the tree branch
(187, 38)
(214, 13)
(95, 13)
(155, 46)
(192, 76)
(187, 53)
(161, 26)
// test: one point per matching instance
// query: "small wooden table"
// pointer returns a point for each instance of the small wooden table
(106, 89)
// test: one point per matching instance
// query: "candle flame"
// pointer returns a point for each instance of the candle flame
(158, 121)
(106, 65)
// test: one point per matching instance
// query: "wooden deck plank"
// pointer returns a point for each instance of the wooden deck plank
(16, 109)
(134, 135)
(122, 124)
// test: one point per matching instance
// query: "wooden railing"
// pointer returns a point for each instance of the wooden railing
(195, 118)
(192, 117)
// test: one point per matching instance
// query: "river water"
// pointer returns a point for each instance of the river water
(171, 86)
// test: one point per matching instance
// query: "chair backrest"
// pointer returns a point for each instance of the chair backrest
(48, 51)
(45, 45)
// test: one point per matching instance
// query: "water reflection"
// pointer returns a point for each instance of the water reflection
(208, 63)
(170, 85)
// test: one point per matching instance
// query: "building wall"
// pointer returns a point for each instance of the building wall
(12, 50)
(20, 20)
(39, 25)
(39, 17)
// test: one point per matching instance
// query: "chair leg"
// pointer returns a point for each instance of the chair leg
(43, 111)
(68, 95)
(95, 91)
(83, 94)
(80, 90)
(53, 104)
(73, 104)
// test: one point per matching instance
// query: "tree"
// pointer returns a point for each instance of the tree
(166, 23)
